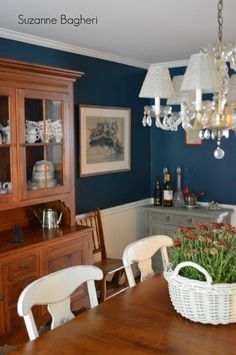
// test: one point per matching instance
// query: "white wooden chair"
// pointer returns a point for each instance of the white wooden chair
(141, 252)
(54, 290)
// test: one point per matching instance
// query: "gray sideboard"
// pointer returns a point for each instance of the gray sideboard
(166, 220)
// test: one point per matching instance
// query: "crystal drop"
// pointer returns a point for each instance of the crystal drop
(201, 134)
(225, 133)
(149, 121)
(207, 134)
(219, 153)
(157, 122)
(144, 121)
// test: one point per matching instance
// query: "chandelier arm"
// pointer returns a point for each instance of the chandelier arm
(170, 127)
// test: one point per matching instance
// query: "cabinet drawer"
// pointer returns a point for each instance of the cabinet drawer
(20, 267)
(170, 219)
(162, 229)
(71, 253)
(61, 258)
(15, 289)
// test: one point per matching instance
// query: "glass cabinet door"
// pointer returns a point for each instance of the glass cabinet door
(7, 147)
(42, 143)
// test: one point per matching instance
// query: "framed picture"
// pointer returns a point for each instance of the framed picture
(192, 137)
(105, 139)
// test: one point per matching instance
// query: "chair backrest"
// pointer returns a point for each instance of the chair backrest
(54, 290)
(141, 252)
(93, 219)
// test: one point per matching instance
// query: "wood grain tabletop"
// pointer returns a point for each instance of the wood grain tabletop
(140, 320)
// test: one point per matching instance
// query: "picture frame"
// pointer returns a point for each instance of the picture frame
(105, 139)
(192, 137)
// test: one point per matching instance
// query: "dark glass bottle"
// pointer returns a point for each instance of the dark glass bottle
(168, 192)
(158, 194)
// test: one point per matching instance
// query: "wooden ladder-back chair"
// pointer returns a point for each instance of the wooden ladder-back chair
(109, 266)
(55, 290)
(141, 252)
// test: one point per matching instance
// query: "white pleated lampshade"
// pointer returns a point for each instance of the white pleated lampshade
(201, 73)
(231, 98)
(157, 83)
(180, 96)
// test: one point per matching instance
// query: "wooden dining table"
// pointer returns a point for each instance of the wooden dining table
(141, 320)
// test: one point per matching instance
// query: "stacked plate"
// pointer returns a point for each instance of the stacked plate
(43, 174)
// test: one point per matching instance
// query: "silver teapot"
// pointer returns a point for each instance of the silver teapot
(48, 218)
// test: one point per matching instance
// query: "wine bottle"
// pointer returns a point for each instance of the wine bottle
(168, 192)
(158, 194)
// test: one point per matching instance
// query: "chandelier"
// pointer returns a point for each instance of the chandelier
(206, 73)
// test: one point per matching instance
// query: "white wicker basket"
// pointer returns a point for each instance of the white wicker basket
(200, 301)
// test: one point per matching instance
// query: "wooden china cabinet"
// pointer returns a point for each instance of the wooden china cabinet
(36, 172)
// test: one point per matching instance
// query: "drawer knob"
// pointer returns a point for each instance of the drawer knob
(1, 298)
(24, 266)
(190, 221)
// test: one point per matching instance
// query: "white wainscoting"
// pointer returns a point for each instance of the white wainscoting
(126, 223)
(123, 225)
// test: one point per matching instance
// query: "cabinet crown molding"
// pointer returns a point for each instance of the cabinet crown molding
(25, 67)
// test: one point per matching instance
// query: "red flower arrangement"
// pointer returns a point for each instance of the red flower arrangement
(213, 247)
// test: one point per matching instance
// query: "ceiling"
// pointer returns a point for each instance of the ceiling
(149, 31)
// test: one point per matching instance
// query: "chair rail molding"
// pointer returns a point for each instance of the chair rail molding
(126, 223)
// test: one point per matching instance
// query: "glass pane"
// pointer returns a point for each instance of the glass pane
(5, 136)
(5, 171)
(34, 121)
(54, 154)
(54, 124)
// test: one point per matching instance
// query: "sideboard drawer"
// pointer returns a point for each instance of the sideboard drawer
(170, 219)
(15, 289)
(20, 267)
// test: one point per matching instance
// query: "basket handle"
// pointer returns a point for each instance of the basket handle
(196, 266)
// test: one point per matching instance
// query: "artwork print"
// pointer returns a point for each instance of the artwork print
(104, 139)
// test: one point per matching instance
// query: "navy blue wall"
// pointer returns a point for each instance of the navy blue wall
(201, 171)
(109, 84)
(112, 84)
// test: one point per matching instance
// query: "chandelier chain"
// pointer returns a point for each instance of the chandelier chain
(220, 20)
